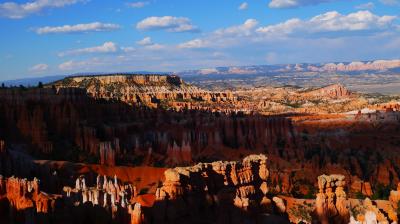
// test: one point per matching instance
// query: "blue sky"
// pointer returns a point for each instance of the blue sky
(52, 37)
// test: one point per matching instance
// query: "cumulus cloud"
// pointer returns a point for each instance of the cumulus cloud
(138, 4)
(168, 23)
(243, 6)
(80, 65)
(145, 41)
(243, 29)
(107, 47)
(78, 28)
(295, 3)
(222, 36)
(368, 6)
(39, 68)
(14, 10)
(196, 43)
(331, 22)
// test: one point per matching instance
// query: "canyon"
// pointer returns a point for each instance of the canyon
(155, 149)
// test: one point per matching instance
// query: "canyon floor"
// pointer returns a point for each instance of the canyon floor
(131, 148)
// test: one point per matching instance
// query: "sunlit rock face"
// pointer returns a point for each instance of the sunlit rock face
(222, 192)
(331, 205)
(24, 202)
(333, 91)
(148, 90)
(218, 192)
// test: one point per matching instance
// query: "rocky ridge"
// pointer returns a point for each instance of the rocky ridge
(136, 89)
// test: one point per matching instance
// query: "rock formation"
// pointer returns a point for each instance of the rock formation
(331, 204)
(225, 191)
(24, 201)
(218, 192)
(332, 91)
(148, 90)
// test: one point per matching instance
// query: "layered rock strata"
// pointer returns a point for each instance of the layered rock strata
(148, 90)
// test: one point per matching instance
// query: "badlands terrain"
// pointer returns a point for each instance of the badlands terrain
(131, 148)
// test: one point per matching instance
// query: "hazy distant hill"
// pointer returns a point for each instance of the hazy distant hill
(32, 81)
(337, 67)
(382, 76)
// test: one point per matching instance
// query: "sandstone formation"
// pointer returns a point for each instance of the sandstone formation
(24, 201)
(218, 192)
(91, 149)
(333, 91)
(232, 192)
(67, 124)
(331, 200)
(108, 132)
(150, 90)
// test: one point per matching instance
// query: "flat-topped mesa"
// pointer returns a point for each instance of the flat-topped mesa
(136, 79)
(331, 200)
(141, 89)
(331, 91)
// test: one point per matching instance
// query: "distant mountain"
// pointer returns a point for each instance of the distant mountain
(303, 74)
(32, 81)
(381, 76)
(338, 67)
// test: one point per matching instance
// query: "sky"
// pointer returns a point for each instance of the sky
(61, 37)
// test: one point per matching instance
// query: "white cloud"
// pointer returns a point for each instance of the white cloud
(242, 30)
(14, 10)
(283, 3)
(107, 47)
(222, 36)
(155, 47)
(80, 65)
(169, 23)
(243, 6)
(78, 28)
(368, 6)
(138, 4)
(390, 2)
(331, 22)
(145, 41)
(295, 3)
(39, 68)
(196, 43)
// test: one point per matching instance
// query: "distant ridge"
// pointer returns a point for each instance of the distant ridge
(33, 81)
(354, 67)
(347, 68)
